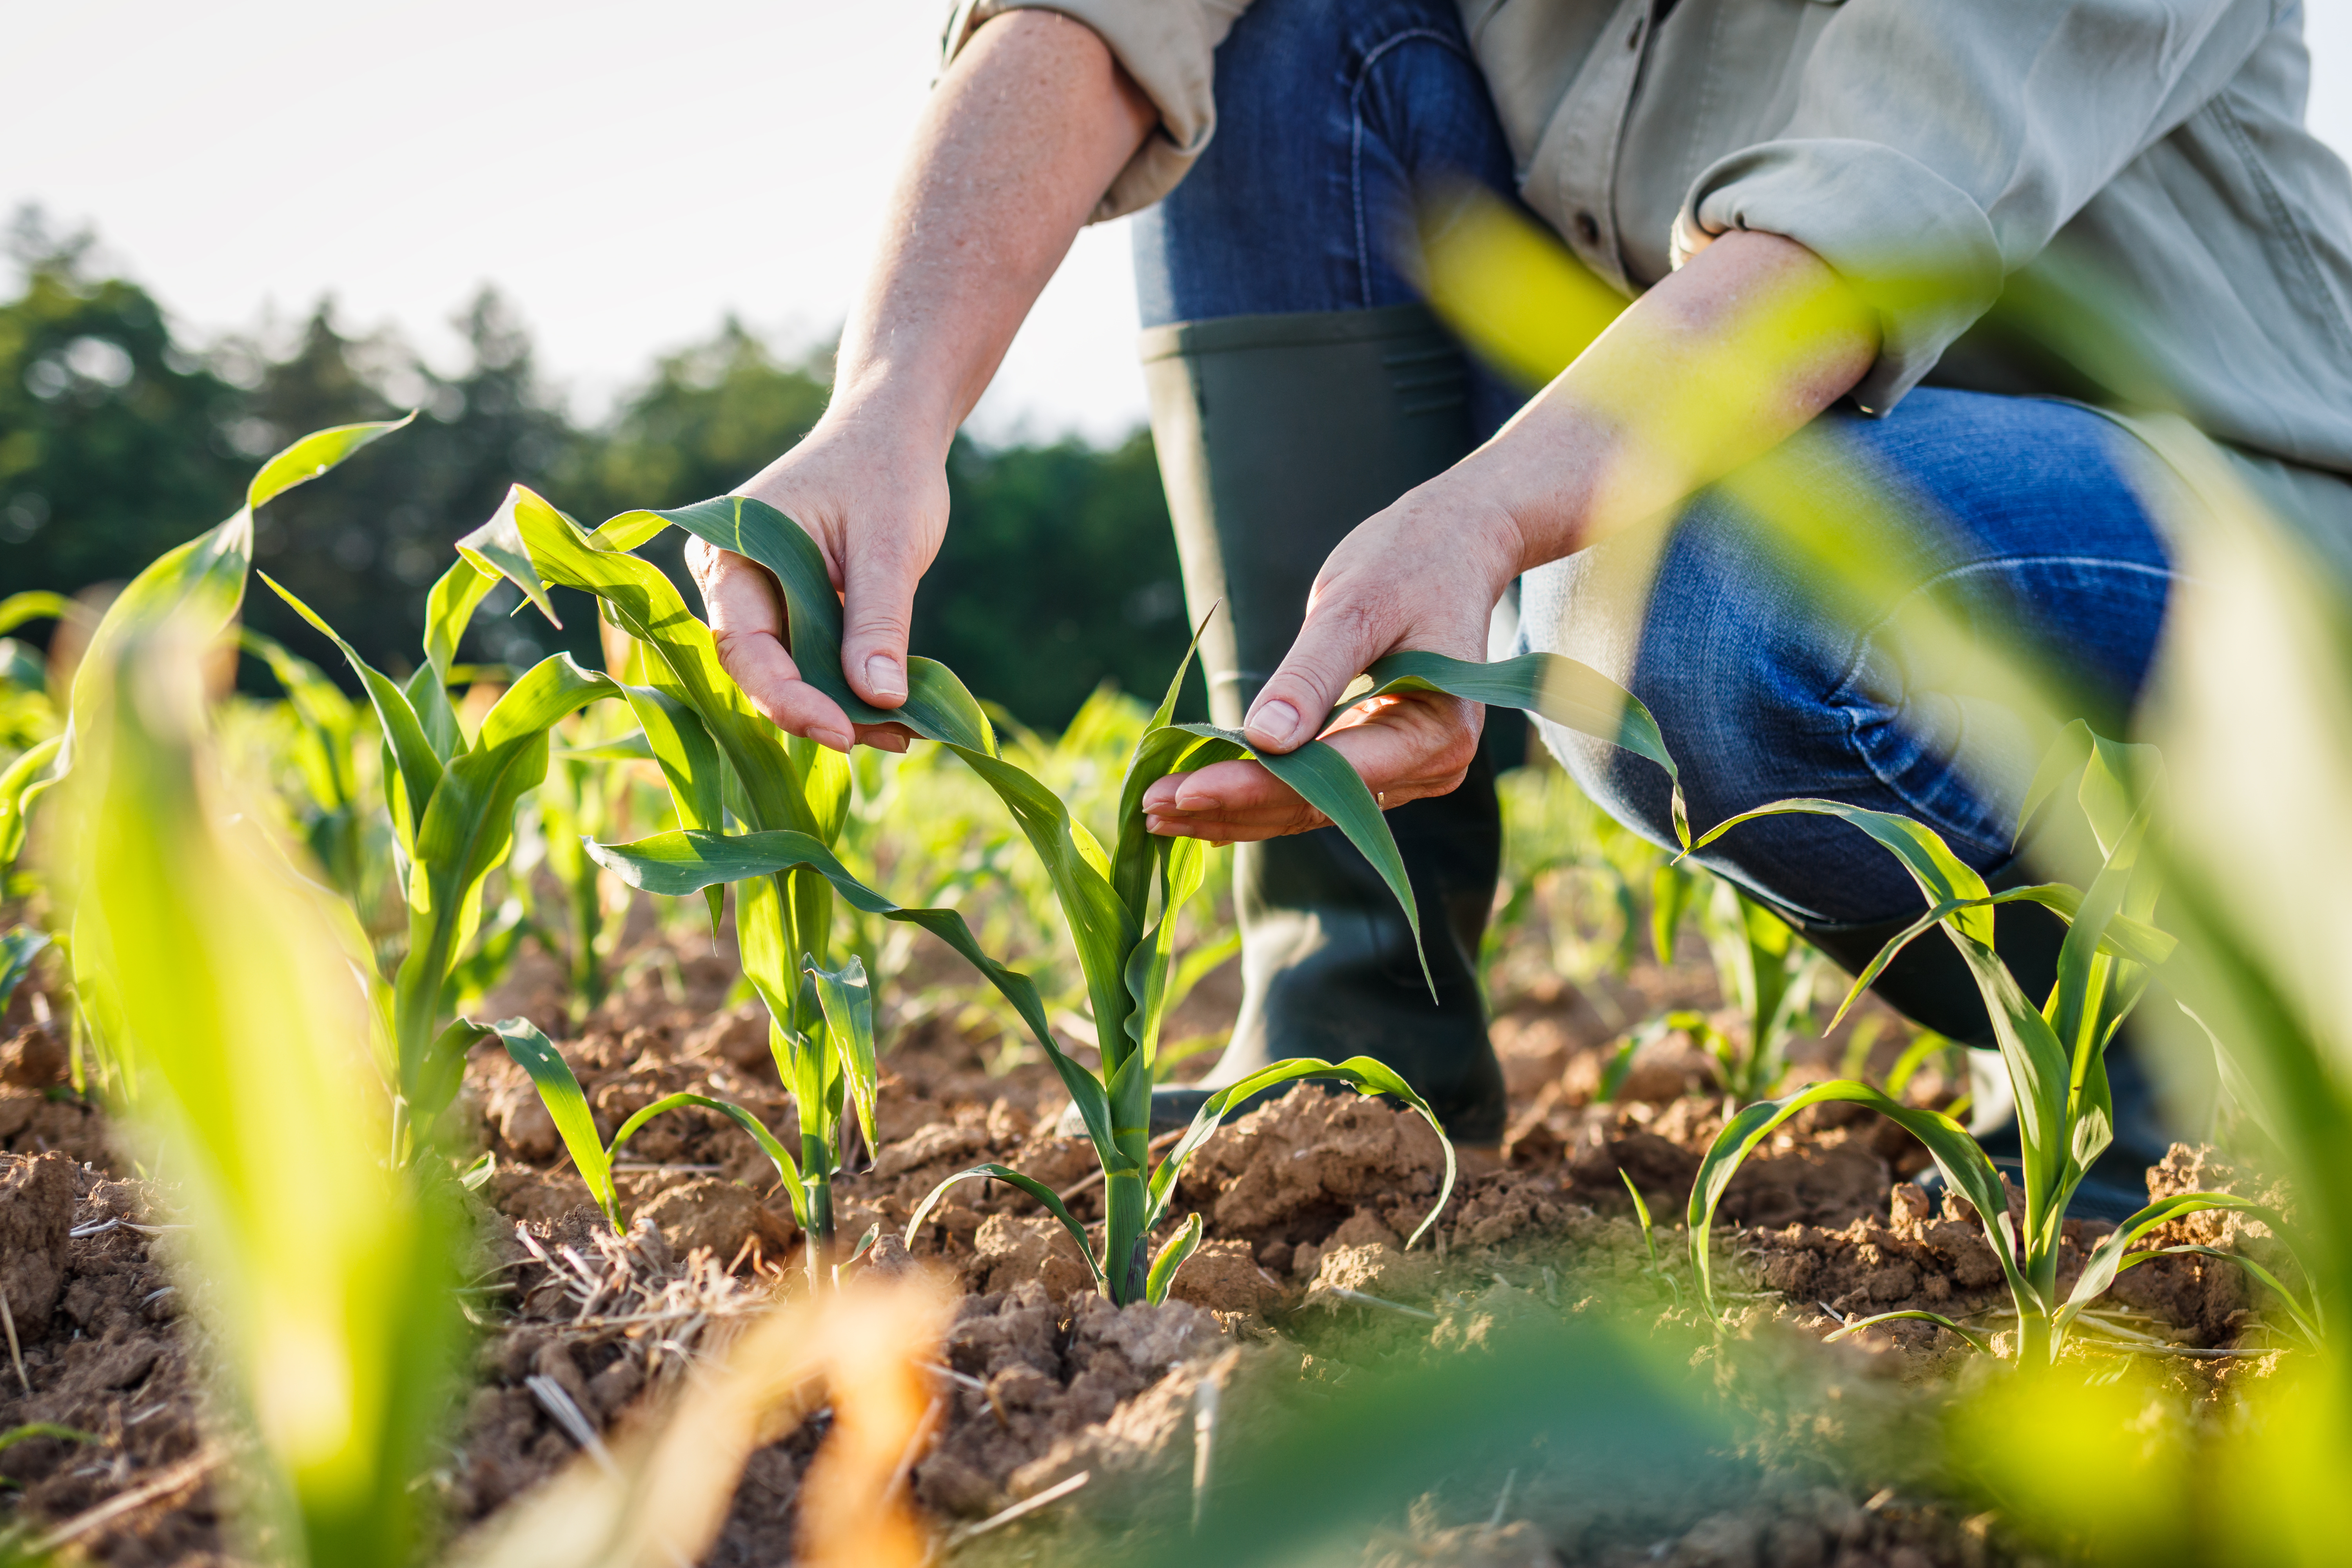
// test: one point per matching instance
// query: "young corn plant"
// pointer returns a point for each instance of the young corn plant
(1768, 971)
(323, 1272)
(726, 764)
(579, 803)
(565, 1102)
(2053, 1053)
(1121, 903)
(329, 730)
(196, 588)
(452, 798)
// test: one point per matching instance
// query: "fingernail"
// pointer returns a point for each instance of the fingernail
(1276, 722)
(883, 678)
(1193, 804)
(896, 744)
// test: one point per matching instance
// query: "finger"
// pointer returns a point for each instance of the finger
(1333, 650)
(893, 738)
(877, 609)
(746, 627)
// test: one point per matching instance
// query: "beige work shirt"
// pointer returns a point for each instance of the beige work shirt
(2146, 159)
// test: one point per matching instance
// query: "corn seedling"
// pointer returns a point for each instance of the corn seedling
(582, 800)
(196, 588)
(593, 1157)
(327, 1270)
(2053, 1053)
(329, 730)
(1762, 965)
(725, 763)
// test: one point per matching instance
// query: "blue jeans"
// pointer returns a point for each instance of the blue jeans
(2020, 511)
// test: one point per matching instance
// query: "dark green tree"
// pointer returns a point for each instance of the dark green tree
(115, 444)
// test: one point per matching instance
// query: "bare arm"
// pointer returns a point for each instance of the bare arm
(1716, 365)
(1024, 132)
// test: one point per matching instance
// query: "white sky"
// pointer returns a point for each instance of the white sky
(626, 172)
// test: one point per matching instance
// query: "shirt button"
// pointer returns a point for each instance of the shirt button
(1587, 228)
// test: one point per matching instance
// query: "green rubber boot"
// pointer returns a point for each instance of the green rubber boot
(1276, 436)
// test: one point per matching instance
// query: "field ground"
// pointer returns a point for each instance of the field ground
(1303, 1285)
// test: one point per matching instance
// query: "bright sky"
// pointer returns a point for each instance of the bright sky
(626, 172)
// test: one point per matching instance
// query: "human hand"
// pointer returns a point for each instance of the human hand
(878, 508)
(1423, 575)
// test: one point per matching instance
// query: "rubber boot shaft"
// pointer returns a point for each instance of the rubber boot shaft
(1276, 436)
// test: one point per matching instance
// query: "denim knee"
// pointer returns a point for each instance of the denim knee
(2015, 514)
(1328, 113)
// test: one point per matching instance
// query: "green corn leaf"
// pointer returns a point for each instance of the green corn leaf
(1160, 750)
(19, 950)
(499, 548)
(847, 1002)
(1328, 782)
(1036, 1189)
(435, 714)
(2123, 937)
(629, 530)
(312, 455)
(1367, 1076)
(560, 1091)
(2040, 1070)
(326, 715)
(1964, 1165)
(32, 1429)
(1163, 749)
(418, 765)
(1942, 876)
(677, 864)
(32, 605)
(1672, 891)
(21, 784)
(1620, 1067)
(627, 749)
(468, 830)
(1100, 926)
(449, 609)
(1642, 1213)
(2107, 1258)
(1169, 1258)
(1151, 966)
(552, 689)
(787, 1170)
(1572, 695)
(1981, 1341)
(528, 536)
(937, 706)
(202, 583)
(680, 744)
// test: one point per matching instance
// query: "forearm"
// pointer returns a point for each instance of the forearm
(1717, 364)
(1023, 134)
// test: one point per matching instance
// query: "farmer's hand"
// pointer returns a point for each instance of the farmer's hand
(876, 507)
(1423, 575)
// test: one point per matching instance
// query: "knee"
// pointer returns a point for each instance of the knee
(1710, 636)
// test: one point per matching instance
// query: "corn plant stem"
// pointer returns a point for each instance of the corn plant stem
(816, 1174)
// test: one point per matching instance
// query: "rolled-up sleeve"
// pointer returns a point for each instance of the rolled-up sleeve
(1935, 148)
(1167, 46)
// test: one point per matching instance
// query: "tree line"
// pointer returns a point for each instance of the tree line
(119, 440)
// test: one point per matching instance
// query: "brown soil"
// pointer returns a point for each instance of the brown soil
(1306, 1204)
